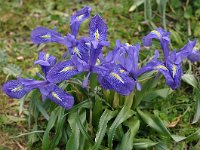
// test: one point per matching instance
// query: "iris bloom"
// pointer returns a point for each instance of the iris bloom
(20, 87)
(171, 67)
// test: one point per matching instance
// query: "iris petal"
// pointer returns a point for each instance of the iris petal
(61, 98)
(43, 35)
(62, 71)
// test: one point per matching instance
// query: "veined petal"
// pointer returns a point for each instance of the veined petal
(175, 72)
(194, 56)
(98, 29)
(15, 89)
(186, 51)
(118, 81)
(82, 50)
(42, 63)
(78, 18)
(148, 67)
(62, 71)
(43, 35)
(61, 98)
(162, 36)
(94, 54)
(46, 61)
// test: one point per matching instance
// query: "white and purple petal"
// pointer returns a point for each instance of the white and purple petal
(117, 80)
(60, 97)
(78, 18)
(43, 35)
(162, 36)
(98, 29)
(62, 71)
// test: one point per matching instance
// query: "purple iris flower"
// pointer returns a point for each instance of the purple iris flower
(20, 87)
(46, 61)
(78, 18)
(126, 57)
(162, 36)
(171, 67)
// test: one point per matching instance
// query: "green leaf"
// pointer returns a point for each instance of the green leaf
(58, 128)
(105, 117)
(3, 58)
(50, 125)
(123, 115)
(146, 89)
(127, 140)
(164, 93)
(154, 122)
(136, 3)
(74, 139)
(147, 10)
(12, 69)
(176, 37)
(143, 143)
(83, 128)
(197, 113)
(188, 12)
(116, 100)
(97, 111)
(190, 79)
(38, 105)
(162, 9)
(129, 100)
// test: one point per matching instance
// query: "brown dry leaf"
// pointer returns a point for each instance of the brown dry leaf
(174, 123)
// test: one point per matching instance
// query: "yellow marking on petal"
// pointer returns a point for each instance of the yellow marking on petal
(68, 68)
(96, 35)
(161, 67)
(121, 70)
(19, 88)
(127, 44)
(56, 96)
(117, 77)
(157, 33)
(174, 70)
(76, 50)
(80, 17)
(98, 61)
(46, 56)
(47, 36)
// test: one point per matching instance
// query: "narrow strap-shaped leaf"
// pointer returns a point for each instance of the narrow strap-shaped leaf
(123, 115)
(190, 79)
(83, 104)
(154, 122)
(143, 143)
(197, 113)
(127, 140)
(58, 129)
(38, 104)
(83, 130)
(51, 123)
(105, 117)
(74, 139)
(129, 100)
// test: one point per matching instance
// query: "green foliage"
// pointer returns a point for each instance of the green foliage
(102, 119)
(12, 70)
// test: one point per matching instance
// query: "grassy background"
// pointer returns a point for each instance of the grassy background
(19, 17)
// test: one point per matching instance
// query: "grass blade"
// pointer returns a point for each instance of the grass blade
(127, 140)
(123, 115)
(105, 117)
